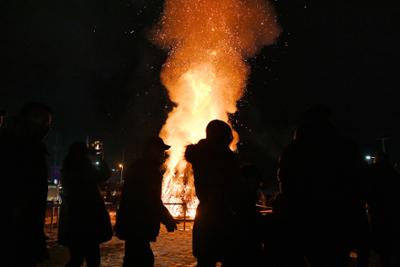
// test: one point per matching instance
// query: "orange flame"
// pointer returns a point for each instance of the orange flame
(205, 75)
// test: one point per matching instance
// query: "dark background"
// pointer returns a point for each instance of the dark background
(91, 61)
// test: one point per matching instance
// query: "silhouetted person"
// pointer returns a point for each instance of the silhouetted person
(248, 239)
(252, 183)
(141, 210)
(23, 167)
(2, 115)
(216, 177)
(321, 200)
(383, 206)
(84, 220)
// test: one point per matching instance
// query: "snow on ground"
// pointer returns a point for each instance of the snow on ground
(170, 250)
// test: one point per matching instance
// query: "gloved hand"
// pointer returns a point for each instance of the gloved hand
(171, 225)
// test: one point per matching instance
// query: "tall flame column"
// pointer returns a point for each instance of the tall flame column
(205, 74)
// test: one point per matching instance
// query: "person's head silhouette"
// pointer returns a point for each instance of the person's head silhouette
(219, 132)
(78, 149)
(155, 148)
(37, 119)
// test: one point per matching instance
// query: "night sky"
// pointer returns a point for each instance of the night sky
(93, 63)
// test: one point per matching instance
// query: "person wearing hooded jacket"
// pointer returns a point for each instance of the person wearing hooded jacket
(23, 165)
(216, 174)
(141, 209)
(321, 203)
(84, 219)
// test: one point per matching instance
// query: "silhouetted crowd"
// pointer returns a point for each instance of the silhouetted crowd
(332, 208)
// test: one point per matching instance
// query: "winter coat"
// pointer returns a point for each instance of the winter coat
(83, 216)
(141, 210)
(321, 197)
(23, 169)
(383, 201)
(216, 178)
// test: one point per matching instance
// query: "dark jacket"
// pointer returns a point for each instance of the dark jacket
(383, 204)
(216, 177)
(321, 196)
(83, 215)
(23, 170)
(141, 210)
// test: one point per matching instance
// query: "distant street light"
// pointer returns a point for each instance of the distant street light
(121, 166)
(369, 158)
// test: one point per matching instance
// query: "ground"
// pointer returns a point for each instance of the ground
(170, 250)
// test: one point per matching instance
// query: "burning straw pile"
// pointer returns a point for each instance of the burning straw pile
(205, 75)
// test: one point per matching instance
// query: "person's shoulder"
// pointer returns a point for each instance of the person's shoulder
(193, 150)
(294, 151)
(190, 148)
(199, 145)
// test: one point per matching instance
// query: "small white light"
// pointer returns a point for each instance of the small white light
(368, 157)
(97, 163)
(55, 181)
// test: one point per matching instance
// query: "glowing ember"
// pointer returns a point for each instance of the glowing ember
(205, 75)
